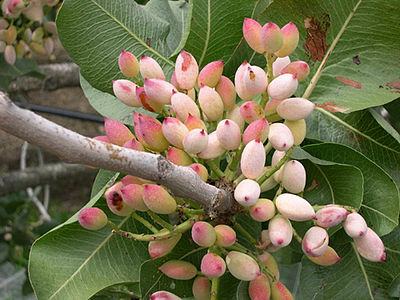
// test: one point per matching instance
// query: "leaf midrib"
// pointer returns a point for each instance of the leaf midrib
(363, 271)
(340, 121)
(208, 32)
(133, 35)
(87, 260)
(327, 181)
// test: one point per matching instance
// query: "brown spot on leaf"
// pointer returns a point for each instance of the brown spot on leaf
(315, 43)
(356, 60)
(332, 107)
(394, 85)
(350, 82)
(355, 137)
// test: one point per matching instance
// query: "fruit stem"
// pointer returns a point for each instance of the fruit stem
(271, 171)
(189, 211)
(146, 223)
(138, 81)
(112, 225)
(270, 60)
(181, 228)
(268, 148)
(215, 168)
(263, 268)
(243, 231)
(239, 179)
(297, 236)
(214, 288)
(231, 168)
(156, 218)
(278, 192)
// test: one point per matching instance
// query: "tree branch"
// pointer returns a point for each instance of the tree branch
(57, 76)
(72, 147)
(34, 176)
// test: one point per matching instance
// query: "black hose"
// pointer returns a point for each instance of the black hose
(61, 112)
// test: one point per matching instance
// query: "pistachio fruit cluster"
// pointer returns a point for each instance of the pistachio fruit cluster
(203, 123)
(22, 31)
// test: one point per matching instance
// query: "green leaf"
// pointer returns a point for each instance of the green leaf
(394, 287)
(216, 32)
(393, 109)
(152, 279)
(109, 106)
(110, 26)
(22, 67)
(360, 69)
(353, 277)
(242, 291)
(75, 263)
(362, 131)
(225, 288)
(380, 205)
(251, 226)
(329, 182)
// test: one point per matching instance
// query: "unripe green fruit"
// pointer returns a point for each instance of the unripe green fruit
(370, 246)
(290, 40)
(259, 288)
(251, 111)
(178, 157)
(253, 159)
(229, 134)
(213, 149)
(241, 90)
(37, 48)
(164, 295)
(280, 231)
(132, 196)
(235, 116)
(200, 170)
(159, 90)
(20, 50)
(183, 105)
(227, 92)
(256, 130)
(329, 258)
(37, 35)
(195, 141)
(279, 64)
(174, 131)
(115, 202)
(252, 34)
(247, 192)
(355, 225)
(294, 109)
(148, 130)
(294, 207)
(117, 132)
(158, 200)
(283, 86)
(92, 218)
(271, 37)
(330, 215)
(128, 64)
(263, 210)
(293, 177)
(242, 266)
(186, 70)
(201, 288)
(211, 103)
(280, 292)
(125, 91)
(11, 34)
(255, 80)
(225, 236)
(9, 54)
(213, 265)
(300, 68)
(315, 241)
(298, 129)
(280, 137)
(178, 269)
(269, 261)
(203, 234)
(149, 68)
(210, 74)
(160, 248)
